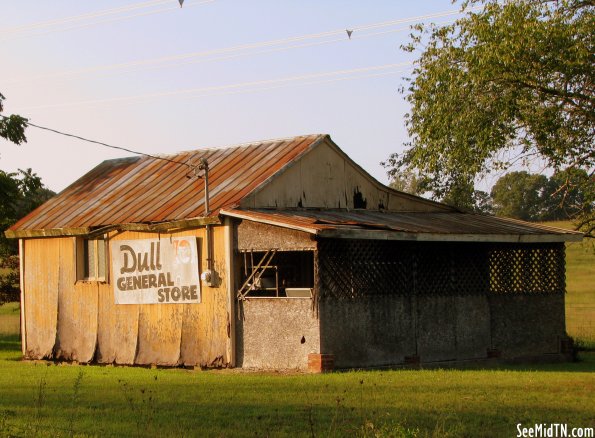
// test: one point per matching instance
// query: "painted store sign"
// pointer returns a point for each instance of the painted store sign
(155, 271)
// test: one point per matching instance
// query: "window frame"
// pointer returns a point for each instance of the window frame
(83, 268)
(279, 270)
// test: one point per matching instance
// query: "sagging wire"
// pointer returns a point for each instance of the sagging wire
(193, 168)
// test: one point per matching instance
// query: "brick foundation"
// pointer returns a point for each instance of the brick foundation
(320, 363)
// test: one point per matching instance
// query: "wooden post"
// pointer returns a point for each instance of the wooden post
(231, 292)
(22, 287)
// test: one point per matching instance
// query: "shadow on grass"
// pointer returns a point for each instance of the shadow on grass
(10, 342)
(586, 362)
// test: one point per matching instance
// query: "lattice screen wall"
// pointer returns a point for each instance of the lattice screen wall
(349, 269)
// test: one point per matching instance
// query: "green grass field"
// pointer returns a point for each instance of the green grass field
(9, 319)
(44, 399)
(580, 287)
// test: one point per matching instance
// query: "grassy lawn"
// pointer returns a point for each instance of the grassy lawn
(580, 285)
(9, 318)
(43, 399)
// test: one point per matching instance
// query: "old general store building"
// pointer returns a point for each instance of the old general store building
(273, 253)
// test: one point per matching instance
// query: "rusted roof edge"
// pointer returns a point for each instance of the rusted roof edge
(53, 232)
(358, 233)
(353, 231)
(95, 232)
(239, 215)
(32, 213)
(547, 228)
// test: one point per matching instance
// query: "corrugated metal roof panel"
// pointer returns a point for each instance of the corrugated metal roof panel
(146, 189)
(438, 225)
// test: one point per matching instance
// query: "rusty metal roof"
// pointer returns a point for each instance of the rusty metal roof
(163, 191)
(146, 189)
(434, 226)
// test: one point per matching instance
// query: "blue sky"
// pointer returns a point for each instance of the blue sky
(157, 78)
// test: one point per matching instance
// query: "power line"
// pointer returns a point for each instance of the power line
(189, 166)
(31, 32)
(85, 16)
(28, 123)
(323, 81)
(228, 87)
(265, 51)
(248, 49)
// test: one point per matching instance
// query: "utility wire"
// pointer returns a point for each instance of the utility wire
(224, 88)
(142, 5)
(191, 60)
(32, 32)
(191, 167)
(275, 49)
(315, 82)
(248, 49)
(260, 52)
(85, 16)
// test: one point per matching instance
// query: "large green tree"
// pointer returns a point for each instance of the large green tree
(510, 81)
(520, 195)
(534, 197)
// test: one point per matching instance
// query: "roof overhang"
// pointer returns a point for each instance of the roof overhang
(509, 231)
(436, 237)
(159, 227)
(264, 219)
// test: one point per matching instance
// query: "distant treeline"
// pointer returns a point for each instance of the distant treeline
(521, 195)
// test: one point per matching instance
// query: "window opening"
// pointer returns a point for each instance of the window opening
(91, 259)
(278, 274)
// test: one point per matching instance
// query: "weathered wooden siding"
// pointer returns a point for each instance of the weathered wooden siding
(117, 329)
(77, 314)
(79, 321)
(41, 296)
(159, 334)
(327, 178)
(204, 330)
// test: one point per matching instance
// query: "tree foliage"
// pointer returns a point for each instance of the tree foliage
(519, 195)
(407, 182)
(20, 193)
(9, 279)
(531, 197)
(510, 81)
(12, 128)
(569, 194)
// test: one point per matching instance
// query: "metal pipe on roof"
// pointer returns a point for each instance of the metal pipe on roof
(209, 275)
(204, 165)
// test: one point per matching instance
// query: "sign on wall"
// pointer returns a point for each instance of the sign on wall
(155, 271)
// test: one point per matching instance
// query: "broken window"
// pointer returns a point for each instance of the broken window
(282, 274)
